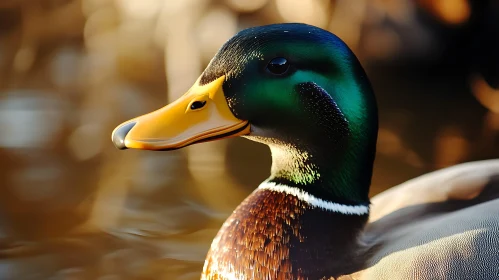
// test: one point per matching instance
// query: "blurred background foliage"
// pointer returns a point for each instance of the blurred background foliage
(74, 207)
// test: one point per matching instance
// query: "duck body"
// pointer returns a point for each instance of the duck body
(301, 91)
(452, 238)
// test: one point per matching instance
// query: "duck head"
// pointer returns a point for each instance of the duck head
(295, 87)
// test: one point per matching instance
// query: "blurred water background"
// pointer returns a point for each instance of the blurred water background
(74, 207)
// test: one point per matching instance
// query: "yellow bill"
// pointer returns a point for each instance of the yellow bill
(200, 115)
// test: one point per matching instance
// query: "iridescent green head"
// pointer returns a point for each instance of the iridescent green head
(305, 93)
(295, 87)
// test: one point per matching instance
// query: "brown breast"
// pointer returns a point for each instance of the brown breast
(274, 235)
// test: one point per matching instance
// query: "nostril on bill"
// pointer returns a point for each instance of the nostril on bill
(120, 134)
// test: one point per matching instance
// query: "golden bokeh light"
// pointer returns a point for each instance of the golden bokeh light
(314, 12)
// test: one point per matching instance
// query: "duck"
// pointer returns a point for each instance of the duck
(302, 91)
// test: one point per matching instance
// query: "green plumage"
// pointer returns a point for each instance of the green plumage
(320, 116)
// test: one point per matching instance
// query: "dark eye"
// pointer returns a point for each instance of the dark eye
(278, 66)
(197, 105)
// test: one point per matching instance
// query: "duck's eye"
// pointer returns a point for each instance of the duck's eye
(197, 105)
(278, 66)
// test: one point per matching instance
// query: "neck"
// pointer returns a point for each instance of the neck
(328, 174)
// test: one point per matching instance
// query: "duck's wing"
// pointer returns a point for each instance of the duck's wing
(444, 225)
(462, 244)
(460, 182)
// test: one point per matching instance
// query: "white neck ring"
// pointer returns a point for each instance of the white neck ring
(313, 201)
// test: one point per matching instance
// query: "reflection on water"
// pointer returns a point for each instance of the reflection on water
(74, 207)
